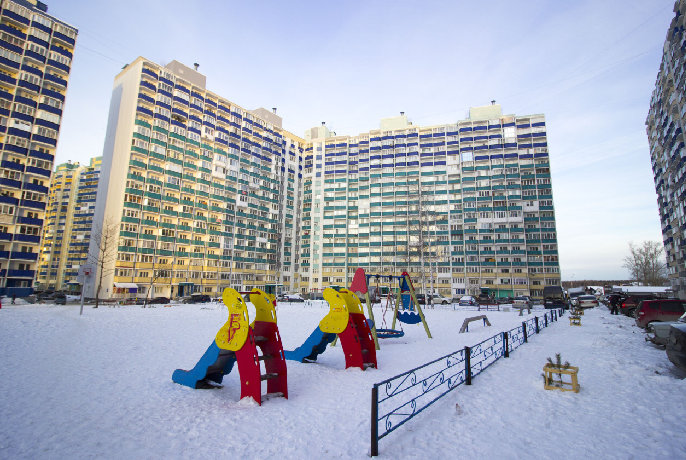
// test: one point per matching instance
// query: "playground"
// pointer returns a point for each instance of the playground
(100, 386)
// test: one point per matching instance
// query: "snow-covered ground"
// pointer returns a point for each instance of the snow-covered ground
(99, 386)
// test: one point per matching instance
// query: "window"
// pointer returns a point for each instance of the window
(45, 132)
(37, 49)
(29, 77)
(71, 33)
(39, 33)
(52, 102)
(57, 57)
(18, 141)
(11, 39)
(42, 20)
(53, 118)
(9, 55)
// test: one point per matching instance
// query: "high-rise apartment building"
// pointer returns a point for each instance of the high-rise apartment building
(200, 193)
(461, 206)
(665, 127)
(68, 221)
(35, 60)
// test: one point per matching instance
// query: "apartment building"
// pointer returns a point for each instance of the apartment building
(200, 193)
(460, 206)
(35, 60)
(665, 129)
(68, 221)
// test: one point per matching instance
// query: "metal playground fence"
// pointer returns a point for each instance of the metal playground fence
(397, 400)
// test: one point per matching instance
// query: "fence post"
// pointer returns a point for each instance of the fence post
(536, 320)
(506, 340)
(375, 426)
(526, 339)
(546, 319)
(553, 315)
(468, 365)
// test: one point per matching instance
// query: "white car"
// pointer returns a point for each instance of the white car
(73, 298)
(439, 299)
(586, 301)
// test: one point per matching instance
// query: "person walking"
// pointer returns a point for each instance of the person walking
(14, 297)
(614, 303)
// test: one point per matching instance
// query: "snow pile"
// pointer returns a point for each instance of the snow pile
(99, 386)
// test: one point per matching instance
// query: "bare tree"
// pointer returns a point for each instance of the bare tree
(420, 219)
(159, 272)
(646, 263)
(105, 240)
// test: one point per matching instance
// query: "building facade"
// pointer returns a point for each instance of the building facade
(196, 193)
(68, 221)
(35, 60)
(665, 128)
(461, 206)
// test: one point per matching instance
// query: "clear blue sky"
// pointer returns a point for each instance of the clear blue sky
(589, 66)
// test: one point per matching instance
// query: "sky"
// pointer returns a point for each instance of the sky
(589, 66)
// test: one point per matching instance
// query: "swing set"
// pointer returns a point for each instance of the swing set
(404, 292)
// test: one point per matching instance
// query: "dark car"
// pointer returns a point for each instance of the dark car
(158, 300)
(198, 298)
(554, 297)
(469, 301)
(60, 299)
(290, 298)
(47, 295)
(659, 310)
(676, 345)
(629, 305)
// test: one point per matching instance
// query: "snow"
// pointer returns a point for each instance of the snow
(99, 386)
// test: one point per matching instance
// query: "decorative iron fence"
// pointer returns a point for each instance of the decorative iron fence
(398, 399)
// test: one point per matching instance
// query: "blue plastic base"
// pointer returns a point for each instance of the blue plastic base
(389, 333)
(409, 318)
(213, 366)
(314, 346)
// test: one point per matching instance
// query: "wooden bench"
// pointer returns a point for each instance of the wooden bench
(465, 324)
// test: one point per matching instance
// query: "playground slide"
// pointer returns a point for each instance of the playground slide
(237, 343)
(314, 346)
(345, 320)
(213, 365)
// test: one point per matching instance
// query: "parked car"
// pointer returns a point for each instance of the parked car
(658, 332)
(290, 298)
(468, 301)
(629, 305)
(586, 301)
(46, 296)
(554, 297)
(676, 346)
(60, 299)
(523, 301)
(439, 299)
(73, 298)
(158, 300)
(197, 298)
(659, 310)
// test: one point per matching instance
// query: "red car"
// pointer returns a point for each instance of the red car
(659, 310)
